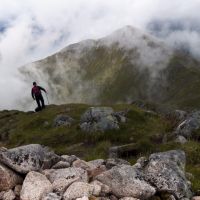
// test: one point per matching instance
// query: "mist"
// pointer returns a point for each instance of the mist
(31, 30)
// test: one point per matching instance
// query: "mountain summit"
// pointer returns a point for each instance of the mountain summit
(122, 67)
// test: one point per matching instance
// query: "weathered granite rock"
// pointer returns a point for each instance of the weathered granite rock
(196, 198)
(35, 186)
(83, 164)
(8, 178)
(63, 120)
(61, 165)
(112, 162)
(189, 125)
(126, 181)
(24, 159)
(51, 196)
(180, 139)
(99, 119)
(128, 198)
(98, 162)
(60, 185)
(68, 173)
(8, 195)
(166, 172)
(81, 189)
(104, 188)
(83, 198)
(69, 159)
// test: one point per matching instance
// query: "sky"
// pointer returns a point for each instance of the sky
(33, 29)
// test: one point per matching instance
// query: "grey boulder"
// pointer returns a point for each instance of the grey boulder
(166, 172)
(189, 125)
(33, 157)
(99, 119)
(126, 181)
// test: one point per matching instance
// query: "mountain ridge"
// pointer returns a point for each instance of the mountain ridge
(114, 69)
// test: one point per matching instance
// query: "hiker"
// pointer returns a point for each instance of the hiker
(37, 95)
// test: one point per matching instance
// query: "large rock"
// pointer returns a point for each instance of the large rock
(8, 178)
(80, 189)
(166, 172)
(24, 159)
(99, 119)
(68, 173)
(189, 125)
(35, 186)
(126, 181)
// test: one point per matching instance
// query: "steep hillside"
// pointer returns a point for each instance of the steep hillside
(146, 132)
(122, 67)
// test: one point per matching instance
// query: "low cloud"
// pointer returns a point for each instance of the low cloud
(33, 29)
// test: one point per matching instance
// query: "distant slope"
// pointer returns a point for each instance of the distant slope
(122, 67)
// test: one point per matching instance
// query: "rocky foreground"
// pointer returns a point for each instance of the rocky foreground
(33, 172)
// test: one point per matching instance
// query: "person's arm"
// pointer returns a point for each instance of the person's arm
(41, 88)
(32, 94)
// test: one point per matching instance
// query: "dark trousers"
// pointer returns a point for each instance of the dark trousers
(39, 99)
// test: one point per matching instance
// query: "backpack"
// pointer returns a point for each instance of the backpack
(36, 91)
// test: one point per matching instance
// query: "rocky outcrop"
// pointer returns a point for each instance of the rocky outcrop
(8, 178)
(35, 186)
(166, 172)
(24, 159)
(161, 176)
(101, 119)
(189, 125)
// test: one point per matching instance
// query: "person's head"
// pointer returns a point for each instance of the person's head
(34, 83)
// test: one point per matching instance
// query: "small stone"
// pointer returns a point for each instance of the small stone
(196, 198)
(17, 190)
(60, 185)
(9, 195)
(181, 139)
(80, 189)
(52, 196)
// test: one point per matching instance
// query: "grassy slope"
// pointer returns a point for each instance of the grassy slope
(145, 129)
(183, 82)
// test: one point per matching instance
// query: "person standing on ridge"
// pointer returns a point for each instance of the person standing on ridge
(37, 95)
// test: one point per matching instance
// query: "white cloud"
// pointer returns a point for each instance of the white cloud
(36, 29)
